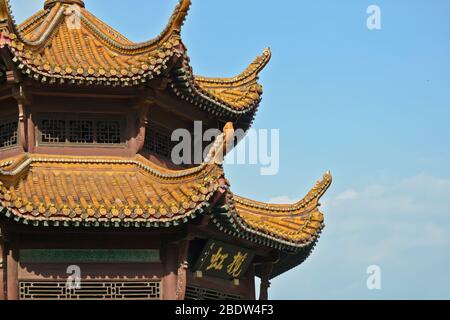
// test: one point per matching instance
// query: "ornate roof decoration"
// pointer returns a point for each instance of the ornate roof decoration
(49, 3)
(112, 191)
(115, 191)
(61, 191)
(289, 227)
(222, 145)
(237, 95)
(65, 43)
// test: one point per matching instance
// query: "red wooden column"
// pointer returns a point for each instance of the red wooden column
(12, 272)
(250, 283)
(23, 101)
(265, 281)
(2, 270)
(31, 133)
(183, 267)
(137, 122)
(170, 281)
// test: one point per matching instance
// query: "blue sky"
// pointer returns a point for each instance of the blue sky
(371, 106)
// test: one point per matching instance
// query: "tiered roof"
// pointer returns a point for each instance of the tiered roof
(62, 191)
(114, 191)
(282, 226)
(64, 43)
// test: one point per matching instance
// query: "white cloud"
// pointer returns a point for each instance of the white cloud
(347, 195)
(419, 194)
(282, 200)
(402, 226)
(379, 222)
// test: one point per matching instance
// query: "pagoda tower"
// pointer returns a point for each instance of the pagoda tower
(91, 204)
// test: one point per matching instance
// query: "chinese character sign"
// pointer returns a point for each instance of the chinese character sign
(224, 261)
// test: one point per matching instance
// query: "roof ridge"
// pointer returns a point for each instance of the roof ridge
(174, 25)
(178, 18)
(47, 27)
(25, 25)
(257, 65)
(49, 3)
(7, 19)
(14, 166)
(314, 195)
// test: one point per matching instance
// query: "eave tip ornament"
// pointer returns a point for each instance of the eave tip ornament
(117, 170)
(180, 14)
(49, 3)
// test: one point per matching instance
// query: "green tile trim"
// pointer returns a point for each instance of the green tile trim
(89, 256)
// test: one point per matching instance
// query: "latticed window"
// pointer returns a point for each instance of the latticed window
(108, 132)
(53, 131)
(196, 293)
(80, 130)
(8, 133)
(90, 290)
(159, 141)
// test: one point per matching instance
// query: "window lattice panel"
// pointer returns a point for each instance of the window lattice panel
(195, 293)
(58, 290)
(158, 142)
(108, 132)
(8, 134)
(81, 131)
(53, 131)
(75, 130)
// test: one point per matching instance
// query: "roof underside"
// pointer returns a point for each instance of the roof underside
(65, 43)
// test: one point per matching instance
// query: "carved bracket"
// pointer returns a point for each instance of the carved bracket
(142, 105)
(143, 122)
(182, 270)
(23, 101)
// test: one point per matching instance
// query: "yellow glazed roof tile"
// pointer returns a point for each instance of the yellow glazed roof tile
(56, 188)
(300, 223)
(65, 43)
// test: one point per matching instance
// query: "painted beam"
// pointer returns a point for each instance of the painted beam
(89, 256)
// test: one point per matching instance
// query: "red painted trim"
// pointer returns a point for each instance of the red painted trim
(31, 134)
(2, 274)
(182, 270)
(169, 257)
(265, 283)
(12, 274)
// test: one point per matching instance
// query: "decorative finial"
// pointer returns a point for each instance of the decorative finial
(49, 3)
(179, 16)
